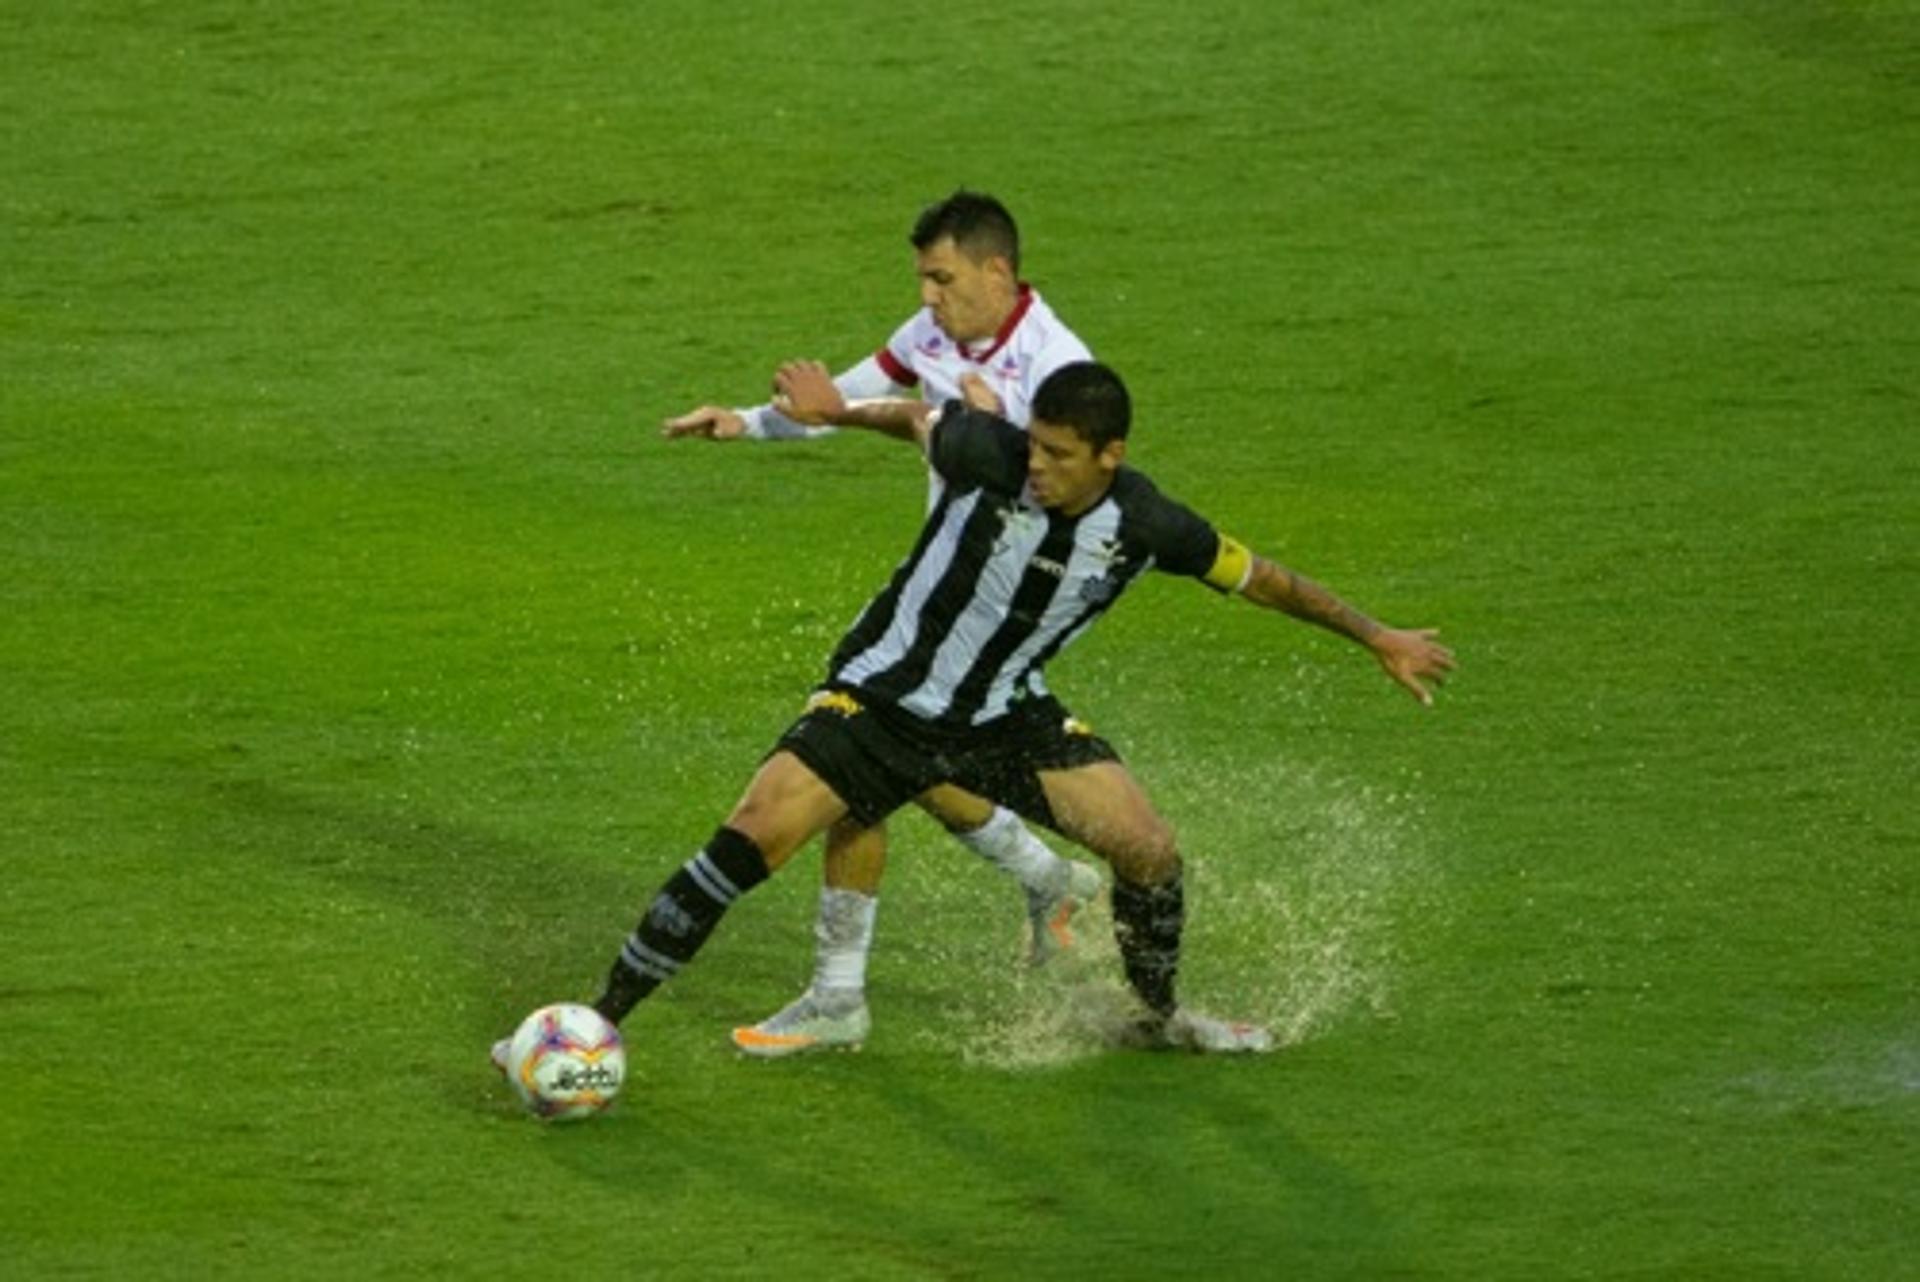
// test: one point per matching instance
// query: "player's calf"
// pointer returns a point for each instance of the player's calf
(681, 917)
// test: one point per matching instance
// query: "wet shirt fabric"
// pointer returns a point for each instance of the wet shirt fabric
(997, 585)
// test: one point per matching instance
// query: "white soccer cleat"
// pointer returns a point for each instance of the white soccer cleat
(497, 1053)
(1050, 917)
(1189, 1030)
(810, 1022)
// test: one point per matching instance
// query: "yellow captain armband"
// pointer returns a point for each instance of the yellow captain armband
(1232, 566)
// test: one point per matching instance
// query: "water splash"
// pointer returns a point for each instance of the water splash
(1297, 897)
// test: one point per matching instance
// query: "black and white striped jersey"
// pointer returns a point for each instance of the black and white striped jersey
(996, 585)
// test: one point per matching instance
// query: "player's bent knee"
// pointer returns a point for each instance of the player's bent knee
(778, 829)
(777, 840)
(1147, 852)
(1148, 864)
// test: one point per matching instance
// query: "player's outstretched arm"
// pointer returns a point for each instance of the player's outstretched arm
(1413, 657)
(767, 422)
(804, 393)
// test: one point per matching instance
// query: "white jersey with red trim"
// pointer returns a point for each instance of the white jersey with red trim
(1031, 344)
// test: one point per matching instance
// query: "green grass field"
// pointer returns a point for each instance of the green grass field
(368, 659)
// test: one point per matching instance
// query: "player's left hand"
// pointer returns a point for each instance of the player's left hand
(805, 393)
(1414, 659)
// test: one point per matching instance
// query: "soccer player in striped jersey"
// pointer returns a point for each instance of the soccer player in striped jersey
(978, 322)
(1034, 537)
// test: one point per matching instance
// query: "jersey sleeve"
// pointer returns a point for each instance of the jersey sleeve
(895, 359)
(1184, 542)
(971, 449)
(868, 379)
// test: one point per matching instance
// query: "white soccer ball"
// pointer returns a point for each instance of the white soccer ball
(566, 1061)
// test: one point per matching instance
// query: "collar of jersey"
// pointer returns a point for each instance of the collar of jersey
(1007, 326)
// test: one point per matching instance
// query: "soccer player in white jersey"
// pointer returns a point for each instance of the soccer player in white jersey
(1035, 535)
(979, 324)
(976, 317)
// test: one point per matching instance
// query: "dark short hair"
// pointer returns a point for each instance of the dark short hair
(1089, 398)
(980, 227)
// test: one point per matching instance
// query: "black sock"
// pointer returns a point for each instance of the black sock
(682, 915)
(1147, 921)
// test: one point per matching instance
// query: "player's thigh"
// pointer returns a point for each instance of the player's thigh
(1103, 807)
(784, 805)
(956, 808)
(874, 767)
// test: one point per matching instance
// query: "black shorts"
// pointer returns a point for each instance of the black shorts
(877, 758)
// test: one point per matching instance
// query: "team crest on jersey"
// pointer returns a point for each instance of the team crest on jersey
(1099, 591)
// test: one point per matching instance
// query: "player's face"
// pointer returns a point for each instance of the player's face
(969, 299)
(1064, 471)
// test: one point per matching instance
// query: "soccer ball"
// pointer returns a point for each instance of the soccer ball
(566, 1061)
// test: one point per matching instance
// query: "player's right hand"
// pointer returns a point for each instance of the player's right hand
(805, 393)
(710, 422)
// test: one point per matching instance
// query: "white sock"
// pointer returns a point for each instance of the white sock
(1010, 846)
(842, 937)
